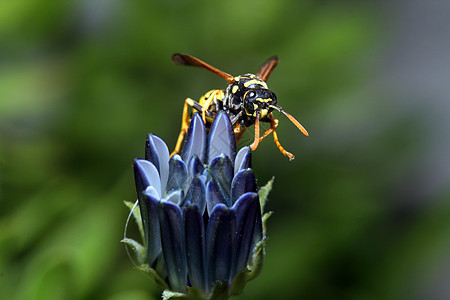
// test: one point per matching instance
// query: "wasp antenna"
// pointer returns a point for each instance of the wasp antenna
(291, 118)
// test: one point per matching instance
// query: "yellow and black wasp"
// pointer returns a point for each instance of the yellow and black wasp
(247, 101)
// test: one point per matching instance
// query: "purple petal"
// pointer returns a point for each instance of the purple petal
(173, 244)
(221, 169)
(195, 143)
(146, 174)
(220, 241)
(221, 138)
(213, 196)
(163, 155)
(151, 191)
(149, 214)
(196, 193)
(243, 182)
(178, 174)
(243, 159)
(195, 166)
(151, 154)
(195, 246)
(248, 216)
(174, 196)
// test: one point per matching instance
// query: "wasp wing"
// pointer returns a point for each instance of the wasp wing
(265, 70)
(189, 60)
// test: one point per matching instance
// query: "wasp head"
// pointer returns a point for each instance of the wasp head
(259, 100)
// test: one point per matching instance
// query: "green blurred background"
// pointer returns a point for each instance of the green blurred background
(363, 211)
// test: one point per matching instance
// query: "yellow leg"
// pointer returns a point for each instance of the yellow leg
(275, 139)
(214, 95)
(273, 126)
(184, 124)
(255, 143)
(239, 131)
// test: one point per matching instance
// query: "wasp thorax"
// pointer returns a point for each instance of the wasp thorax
(259, 100)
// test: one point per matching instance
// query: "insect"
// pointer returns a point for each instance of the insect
(247, 101)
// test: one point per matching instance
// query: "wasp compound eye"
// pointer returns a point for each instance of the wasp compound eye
(251, 94)
(250, 109)
(273, 98)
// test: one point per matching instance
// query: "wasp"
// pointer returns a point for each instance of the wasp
(247, 101)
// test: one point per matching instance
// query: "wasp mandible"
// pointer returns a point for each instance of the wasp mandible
(247, 101)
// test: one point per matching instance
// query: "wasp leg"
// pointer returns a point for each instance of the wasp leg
(184, 123)
(235, 119)
(255, 143)
(213, 96)
(239, 131)
(282, 150)
(273, 126)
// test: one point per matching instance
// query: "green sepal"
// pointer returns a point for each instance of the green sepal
(152, 273)
(138, 249)
(263, 193)
(264, 218)
(192, 294)
(172, 295)
(239, 282)
(136, 212)
(220, 291)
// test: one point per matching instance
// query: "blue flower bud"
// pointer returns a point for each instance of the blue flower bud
(200, 212)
